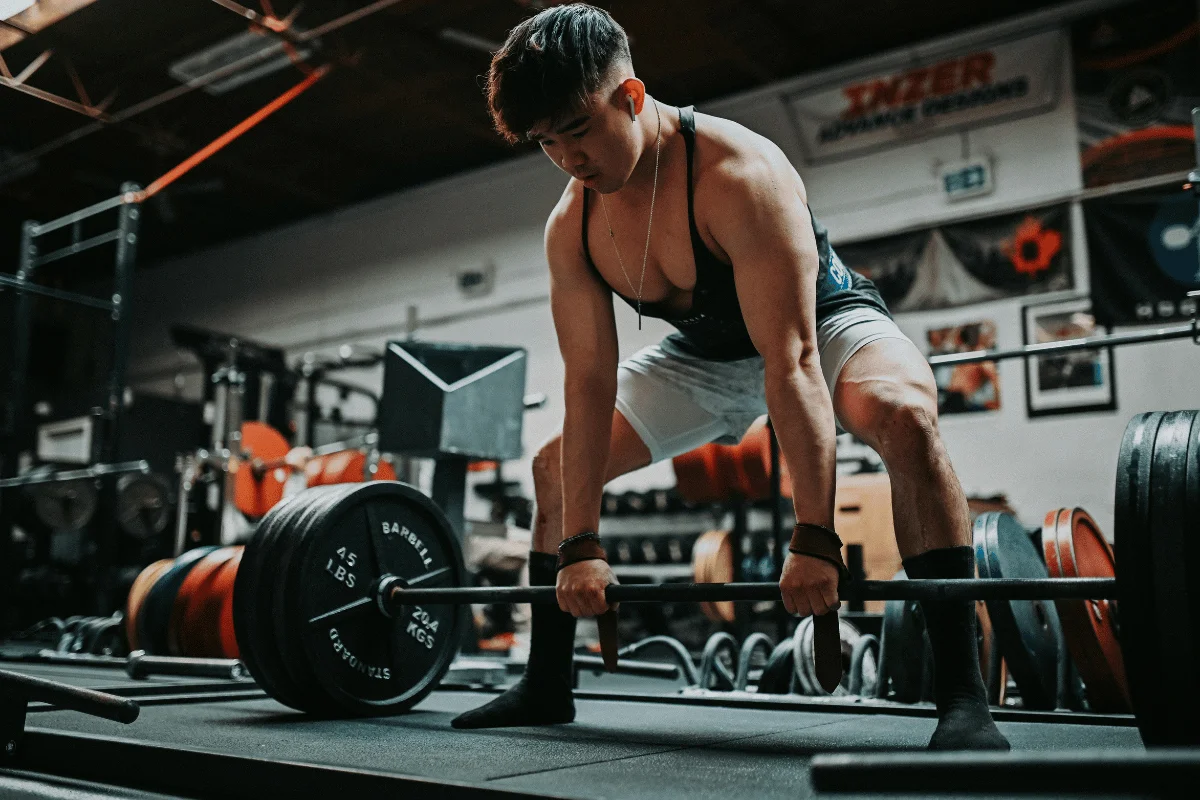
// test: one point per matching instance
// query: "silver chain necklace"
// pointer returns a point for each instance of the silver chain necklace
(649, 225)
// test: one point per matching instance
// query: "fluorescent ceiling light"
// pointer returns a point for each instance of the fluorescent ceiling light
(470, 40)
(10, 8)
(258, 54)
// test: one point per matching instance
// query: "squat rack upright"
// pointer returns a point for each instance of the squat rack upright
(15, 420)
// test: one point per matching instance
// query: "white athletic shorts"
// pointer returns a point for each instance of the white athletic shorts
(677, 402)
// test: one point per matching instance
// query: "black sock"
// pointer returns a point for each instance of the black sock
(964, 719)
(543, 695)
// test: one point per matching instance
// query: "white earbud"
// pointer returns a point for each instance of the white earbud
(632, 108)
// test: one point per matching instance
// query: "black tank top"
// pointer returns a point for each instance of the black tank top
(714, 327)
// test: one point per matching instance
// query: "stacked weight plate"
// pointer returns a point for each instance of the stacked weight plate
(154, 619)
(1158, 573)
(137, 599)
(1074, 547)
(306, 621)
(204, 606)
(184, 606)
(1028, 631)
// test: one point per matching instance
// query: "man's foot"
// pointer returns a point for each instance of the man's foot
(964, 719)
(967, 724)
(543, 695)
(520, 705)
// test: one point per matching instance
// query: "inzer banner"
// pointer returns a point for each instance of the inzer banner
(924, 99)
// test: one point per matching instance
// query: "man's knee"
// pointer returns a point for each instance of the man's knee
(547, 466)
(898, 422)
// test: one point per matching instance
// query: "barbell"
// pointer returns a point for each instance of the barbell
(346, 601)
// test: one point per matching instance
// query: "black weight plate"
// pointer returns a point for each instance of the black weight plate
(143, 504)
(108, 638)
(260, 614)
(1139, 629)
(1028, 631)
(368, 663)
(1172, 525)
(1192, 514)
(244, 583)
(156, 611)
(282, 615)
(902, 657)
(65, 505)
(86, 635)
(245, 596)
(778, 675)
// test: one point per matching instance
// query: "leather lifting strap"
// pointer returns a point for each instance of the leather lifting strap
(817, 541)
(587, 550)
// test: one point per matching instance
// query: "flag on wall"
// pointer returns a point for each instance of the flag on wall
(1137, 78)
(1142, 251)
(969, 262)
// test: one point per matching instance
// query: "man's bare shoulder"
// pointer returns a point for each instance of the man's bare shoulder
(564, 227)
(731, 157)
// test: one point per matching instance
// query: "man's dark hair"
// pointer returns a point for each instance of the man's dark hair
(549, 64)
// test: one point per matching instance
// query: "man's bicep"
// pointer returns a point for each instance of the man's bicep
(771, 243)
(582, 308)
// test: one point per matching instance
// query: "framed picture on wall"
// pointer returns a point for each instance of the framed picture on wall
(965, 388)
(1072, 382)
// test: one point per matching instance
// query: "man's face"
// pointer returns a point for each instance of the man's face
(597, 145)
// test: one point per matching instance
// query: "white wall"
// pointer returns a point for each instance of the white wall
(351, 276)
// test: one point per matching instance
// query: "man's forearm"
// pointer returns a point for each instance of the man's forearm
(802, 415)
(587, 429)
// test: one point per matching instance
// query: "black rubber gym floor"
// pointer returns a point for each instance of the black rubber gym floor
(616, 748)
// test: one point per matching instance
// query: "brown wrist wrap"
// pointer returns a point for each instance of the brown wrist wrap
(573, 552)
(820, 542)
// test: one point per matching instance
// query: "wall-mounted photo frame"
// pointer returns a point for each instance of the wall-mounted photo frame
(1067, 383)
(965, 388)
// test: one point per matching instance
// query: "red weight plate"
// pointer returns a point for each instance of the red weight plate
(696, 475)
(254, 494)
(186, 623)
(731, 479)
(223, 589)
(1089, 625)
(137, 596)
(756, 463)
(344, 466)
(202, 621)
(349, 466)
(314, 469)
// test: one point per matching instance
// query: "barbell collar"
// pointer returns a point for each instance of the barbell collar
(393, 597)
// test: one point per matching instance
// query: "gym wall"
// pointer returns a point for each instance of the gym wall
(352, 276)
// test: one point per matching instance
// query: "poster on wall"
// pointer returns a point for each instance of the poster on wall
(929, 98)
(1143, 256)
(965, 388)
(1010, 255)
(1137, 78)
(1066, 383)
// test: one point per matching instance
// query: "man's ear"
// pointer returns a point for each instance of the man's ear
(635, 95)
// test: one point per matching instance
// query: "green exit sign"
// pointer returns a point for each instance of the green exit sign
(965, 179)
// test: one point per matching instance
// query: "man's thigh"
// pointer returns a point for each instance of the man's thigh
(676, 403)
(885, 373)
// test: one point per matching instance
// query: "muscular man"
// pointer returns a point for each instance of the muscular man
(703, 223)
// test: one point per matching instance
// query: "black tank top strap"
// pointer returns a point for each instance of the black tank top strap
(586, 252)
(687, 126)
